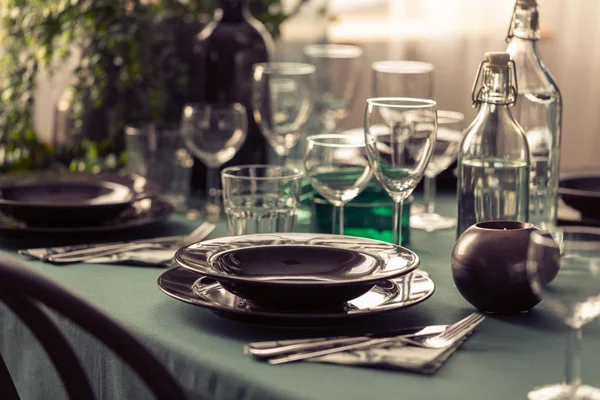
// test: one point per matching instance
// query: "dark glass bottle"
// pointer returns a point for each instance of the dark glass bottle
(225, 51)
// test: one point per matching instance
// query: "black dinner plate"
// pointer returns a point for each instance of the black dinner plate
(386, 296)
(49, 199)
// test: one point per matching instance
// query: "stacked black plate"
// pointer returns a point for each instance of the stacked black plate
(297, 277)
(77, 202)
(580, 190)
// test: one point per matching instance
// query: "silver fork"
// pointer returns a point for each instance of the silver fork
(453, 334)
(197, 235)
(450, 336)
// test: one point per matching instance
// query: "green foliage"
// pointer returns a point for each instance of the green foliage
(131, 70)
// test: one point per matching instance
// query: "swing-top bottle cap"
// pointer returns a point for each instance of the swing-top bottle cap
(499, 84)
(497, 58)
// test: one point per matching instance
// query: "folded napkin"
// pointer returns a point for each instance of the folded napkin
(395, 356)
(149, 257)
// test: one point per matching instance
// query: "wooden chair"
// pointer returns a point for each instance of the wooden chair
(23, 291)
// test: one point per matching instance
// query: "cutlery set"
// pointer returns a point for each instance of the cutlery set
(82, 253)
(430, 337)
(174, 242)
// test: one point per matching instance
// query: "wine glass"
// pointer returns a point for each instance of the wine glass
(338, 169)
(402, 78)
(413, 79)
(337, 73)
(214, 132)
(282, 102)
(564, 271)
(449, 137)
(400, 138)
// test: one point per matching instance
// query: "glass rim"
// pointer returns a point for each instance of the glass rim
(449, 117)
(294, 173)
(285, 68)
(332, 50)
(355, 205)
(491, 225)
(402, 67)
(401, 102)
(234, 106)
(538, 236)
(145, 130)
(358, 140)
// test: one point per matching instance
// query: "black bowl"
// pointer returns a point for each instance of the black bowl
(295, 271)
(302, 274)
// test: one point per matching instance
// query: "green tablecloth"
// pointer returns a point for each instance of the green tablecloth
(505, 358)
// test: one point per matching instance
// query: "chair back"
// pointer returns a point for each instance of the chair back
(24, 291)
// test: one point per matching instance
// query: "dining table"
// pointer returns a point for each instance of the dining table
(505, 357)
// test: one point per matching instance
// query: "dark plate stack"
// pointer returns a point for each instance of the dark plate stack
(284, 278)
(49, 202)
(580, 190)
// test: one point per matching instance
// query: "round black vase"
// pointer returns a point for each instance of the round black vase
(488, 266)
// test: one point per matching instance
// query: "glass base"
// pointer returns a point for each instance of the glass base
(212, 211)
(564, 392)
(178, 201)
(417, 209)
(431, 222)
(193, 214)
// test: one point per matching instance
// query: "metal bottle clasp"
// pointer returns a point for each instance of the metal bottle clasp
(509, 34)
(512, 76)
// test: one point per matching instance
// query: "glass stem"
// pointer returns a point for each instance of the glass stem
(334, 212)
(341, 219)
(397, 228)
(573, 366)
(212, 182)
(429, 194)
(330, 124)
(281, 159)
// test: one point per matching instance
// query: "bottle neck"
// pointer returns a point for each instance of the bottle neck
(232, 10)
(519, 45)
(525, 22)
(496, 86)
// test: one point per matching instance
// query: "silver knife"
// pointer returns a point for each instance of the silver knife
(81, 249)
(106, 249)
(280, 347)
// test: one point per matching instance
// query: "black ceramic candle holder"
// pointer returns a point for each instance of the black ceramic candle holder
(489, 266)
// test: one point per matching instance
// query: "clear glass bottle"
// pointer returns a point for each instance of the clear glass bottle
(493, 160)
(538, 110)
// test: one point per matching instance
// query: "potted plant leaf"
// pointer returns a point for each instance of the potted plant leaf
(133, 59)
